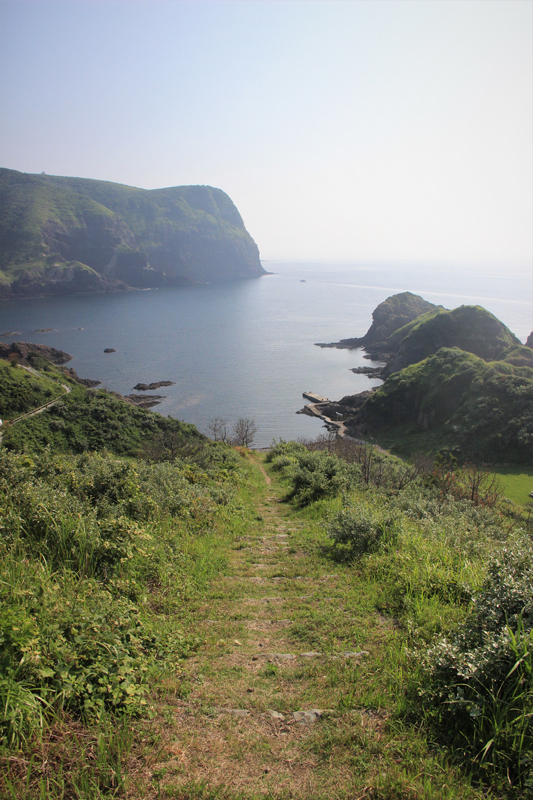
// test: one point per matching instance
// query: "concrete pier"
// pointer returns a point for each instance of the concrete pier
(315, 398)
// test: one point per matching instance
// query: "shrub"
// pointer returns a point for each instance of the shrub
(362, 528)
(479, 688)
(319, 475)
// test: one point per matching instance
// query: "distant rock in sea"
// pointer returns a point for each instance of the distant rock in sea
(146, 387)
(110, 350)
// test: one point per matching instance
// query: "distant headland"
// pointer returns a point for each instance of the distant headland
(74, 235)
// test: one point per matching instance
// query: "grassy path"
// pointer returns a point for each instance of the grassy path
(293, 693)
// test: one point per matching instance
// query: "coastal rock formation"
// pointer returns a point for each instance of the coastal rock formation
(89, 383)
(457, 379)
(469, 328)
(529, 340)
(24, 350)
(393, 313)
(74, 235)
(146, 387)
(144, 401)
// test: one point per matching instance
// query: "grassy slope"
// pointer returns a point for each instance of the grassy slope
(469, 328)
(21, 391)
(26, 204)
(82, 420)
(254, 549)
(517, 484)
(455, 399)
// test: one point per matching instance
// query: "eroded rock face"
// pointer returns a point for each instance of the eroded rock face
(529, 340)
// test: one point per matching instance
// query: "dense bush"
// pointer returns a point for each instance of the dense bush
(480, 683)
(363, 528)
(312, 474)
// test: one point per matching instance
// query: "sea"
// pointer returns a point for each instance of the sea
(247, 348)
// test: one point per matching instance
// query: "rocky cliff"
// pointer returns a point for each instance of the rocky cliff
(71, 235)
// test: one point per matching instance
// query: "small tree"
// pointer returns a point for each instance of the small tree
(218, 429)
(244, 432)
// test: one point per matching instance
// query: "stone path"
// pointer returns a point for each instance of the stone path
(260, 699)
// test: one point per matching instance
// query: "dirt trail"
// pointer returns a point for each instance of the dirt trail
(266, 689)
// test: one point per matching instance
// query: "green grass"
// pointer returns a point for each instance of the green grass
(516, 484)
(113, 571)
(481, 411)
(21, 391)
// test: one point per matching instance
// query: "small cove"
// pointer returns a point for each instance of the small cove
(247, 348)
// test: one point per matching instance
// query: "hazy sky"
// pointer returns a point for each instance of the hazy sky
(341, 130)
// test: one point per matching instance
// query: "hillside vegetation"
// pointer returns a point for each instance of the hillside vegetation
(180, 618)
(481, 410)
(181, 629)
(65, 235)
(458, 380)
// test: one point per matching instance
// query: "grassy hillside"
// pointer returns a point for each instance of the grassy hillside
(185, 630)
(82, 420)
(73, 234)
(469, 328)
(21, 391)
(456, 400)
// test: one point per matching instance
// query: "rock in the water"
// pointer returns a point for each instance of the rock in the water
(147, 387)
(110, 350)
(144, 401)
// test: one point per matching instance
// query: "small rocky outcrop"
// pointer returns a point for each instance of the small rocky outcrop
(110, 350)
(529, 340)
(87, 382)
(144, 401)
(147, 387)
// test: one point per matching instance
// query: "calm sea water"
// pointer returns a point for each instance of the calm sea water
(247, 348)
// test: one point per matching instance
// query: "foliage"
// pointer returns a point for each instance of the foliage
(82, 538)
(93, 420)
(363, 528)
(480, 683)
(313, 475)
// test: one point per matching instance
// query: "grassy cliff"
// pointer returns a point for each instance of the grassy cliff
(64, 235)
(454, 399)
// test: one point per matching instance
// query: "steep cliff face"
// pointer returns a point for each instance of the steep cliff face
(64, 235)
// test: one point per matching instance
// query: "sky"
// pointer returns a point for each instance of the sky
(342, 130)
